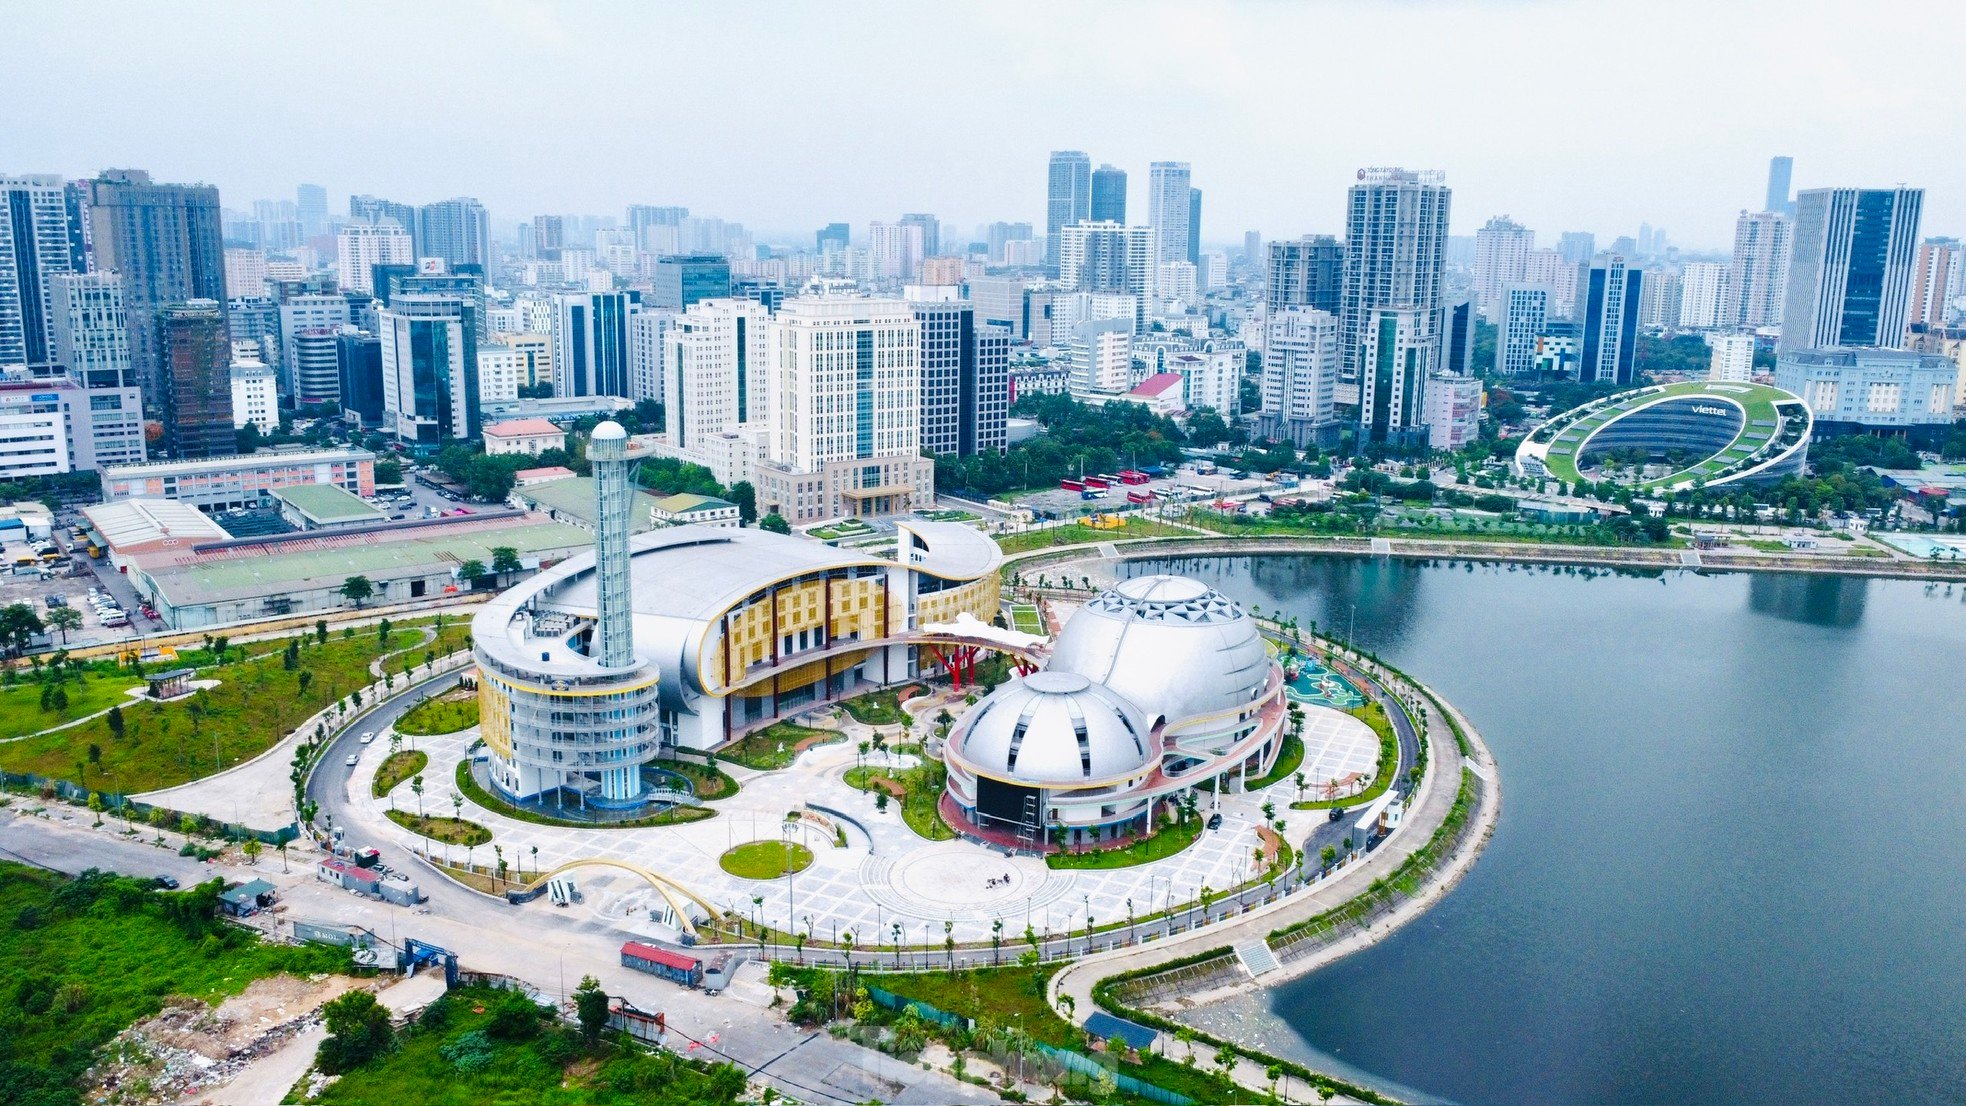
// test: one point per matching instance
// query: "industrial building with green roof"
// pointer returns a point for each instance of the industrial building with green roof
(1671, 437)
(324, 507)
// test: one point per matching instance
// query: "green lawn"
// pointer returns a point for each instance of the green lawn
(1077, 533)
(469, 1049)
(85, 958)
(878, 708)
(445, 714)
(1170, 840)
(710, 783)
(1025, 618)
(923, 786)
(87, 693)
(467, 785)
(1289, 759)
(766, 859)
(762, 749)
(399, 766)
(257, 702)
(451, 831)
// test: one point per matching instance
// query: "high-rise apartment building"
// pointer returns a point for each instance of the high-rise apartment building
(1704, 302)
(590, 343)
(1757, 281)
(1780, 170)
(648, 352)
(1659, 301)
(358, 356)
(195, 406)
(1577, 246)
(1170, 210)
(931, 231)
(1937, 281)
(1851, 267)
(457, 230)
(1453, 411)
(1108, 195)
(1068, 198)
(1611, 307)
(686, 279)
(549, 236)
(360, 247)
(1395, 356)
(1395, 234)
(429, 352)
(164, 241)
(1307, 272)
(844, 434)
(1733, 357)
(1300, 375)
(1549, 269)
(255, 394)
(34, 250)
(92, 343)
(965, 379)
(1525, 315)
(1502, 248)
(718, 372)
(374, 209)
(311, 205)
(1108, 257)
(896, 250)
(1098, 356)
(300, 313)
(1194, 226)
(245, 274)
(833, 236)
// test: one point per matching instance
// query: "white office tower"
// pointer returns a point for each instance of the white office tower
(36, 424)
(1108, 257)
(1170, 211)
(1733, 357)
(1213, 270)
(1453, 411)
(92, 342)
(844, 431)
(255, 396)
(1395, 357)
(717, 385)
(897, 250)
(1703, 299)
(324, 311)
(245, 272)
(34, 249)
(1300, 376)
(315, 356)
(1175, 283)
(1937, 283)
(648, 348)
(1525, 316)
(1551, 270)
(1395, 235)
(1851, 267)
(1758, 280)
(360, 247)
(1099, 356)
(1502, 248)
(1068, 197)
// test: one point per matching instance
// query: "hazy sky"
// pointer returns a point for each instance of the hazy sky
(1588, 114)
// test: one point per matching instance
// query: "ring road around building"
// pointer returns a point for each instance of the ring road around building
(1674, 436)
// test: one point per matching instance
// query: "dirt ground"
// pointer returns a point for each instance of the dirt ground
(189, 1045)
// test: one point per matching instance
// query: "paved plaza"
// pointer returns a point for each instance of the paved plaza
(889, 876)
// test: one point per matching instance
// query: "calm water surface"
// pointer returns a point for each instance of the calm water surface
(1732, 858)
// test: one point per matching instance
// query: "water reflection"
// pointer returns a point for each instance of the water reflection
(1809, 599)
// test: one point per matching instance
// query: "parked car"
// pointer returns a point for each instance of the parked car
(1215, 820)
(167, 883)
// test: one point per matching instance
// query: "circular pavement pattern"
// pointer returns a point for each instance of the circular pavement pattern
(958, 876)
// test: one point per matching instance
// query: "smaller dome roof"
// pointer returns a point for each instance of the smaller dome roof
(1056, 729)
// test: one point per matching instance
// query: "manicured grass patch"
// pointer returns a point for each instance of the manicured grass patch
(1170, 840)
(766, 859)
(85, 958)
(920, 790)
(451, 831)
(258, 702)
(480, 1045)
(86, 692)
(439, 716)
(1078, 534)
(708, 782)
(1025, 618)
(1374, 715)
(878, 708)
(399, 766)
(1289, 759)
(776, 745)
(467, 785)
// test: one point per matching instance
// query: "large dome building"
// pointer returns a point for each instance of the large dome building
(1154, 687)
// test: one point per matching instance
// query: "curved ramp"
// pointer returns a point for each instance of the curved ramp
(675, 894)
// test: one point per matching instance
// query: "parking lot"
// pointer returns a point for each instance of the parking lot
(1181, 486)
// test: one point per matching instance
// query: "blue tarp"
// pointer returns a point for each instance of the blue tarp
(1134, 1035)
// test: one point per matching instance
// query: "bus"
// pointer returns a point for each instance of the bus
(1133, 476)
(1072, 485)
(1099, 482)
(1139, 497)
(1094, 493)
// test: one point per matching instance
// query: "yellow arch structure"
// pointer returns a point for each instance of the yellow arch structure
(675, 894)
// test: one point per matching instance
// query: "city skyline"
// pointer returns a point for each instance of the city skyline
(1689, 119)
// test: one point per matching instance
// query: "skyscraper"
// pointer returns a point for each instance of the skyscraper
(1611, 306)
(1307, 272)
(1703, 297)
(1779, 171)
(965, 379)
(1108, 195)
(1395, 232)
(34, 250)
(931, 231)
(457, 230)
(1194, 226)
(312, 206)
(1395, 356)
(1757, 280)
(1068, 198)
(1457, 338)
(1107, 257)
(686, 279)
(549, 236)
(358, 358)
(1525, 315)
(1851, 267)
(1300, 375)
(196, 402)
(374, 209)
(718, 372)
(644, 221)
(1577, 246)
(360, 247)
(1939, 279)
(590, 343)
(1170, 209)
(92, 342)
(896, 250)
(164, 241)
(429, 356)
(1502, 248)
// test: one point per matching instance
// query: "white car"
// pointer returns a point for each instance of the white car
(352, 758)
(368, 737)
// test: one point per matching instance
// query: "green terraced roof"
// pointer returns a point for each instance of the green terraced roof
(1762, 422)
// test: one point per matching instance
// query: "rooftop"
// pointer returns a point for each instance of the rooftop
(686, 503)
(1765, 411)
(327, 503)
(133, 522)
(265, 458)
(521, 428)
(572, 498)
(1157, 384)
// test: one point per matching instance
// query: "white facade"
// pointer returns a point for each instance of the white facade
(1525, 314)
(1108, 257)
(34, 250)
(1733, 357)
(1300, 370)
(1758, 279)
(255, 396)
(1502, 248)
(443, 407)
(1169, 211)
(1175, 282)
(327, 312)
(1211, 378)
(1703, 295)
(1658, 300)
(1453, 411)
(498, 373)
(896, 250)
(361, 247)
(1213, 270)
(1549, 269)
(1099, 356)
(35, 417)
(92, 341)
(719, 371)
(1938, 281)
(245, 272)
(648, 347)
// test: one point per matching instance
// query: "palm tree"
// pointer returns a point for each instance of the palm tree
(416, 788)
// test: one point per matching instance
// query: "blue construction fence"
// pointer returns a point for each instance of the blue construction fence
(114, 805)
(1075, 1062)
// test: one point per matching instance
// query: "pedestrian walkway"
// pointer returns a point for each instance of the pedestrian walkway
(1256, 958)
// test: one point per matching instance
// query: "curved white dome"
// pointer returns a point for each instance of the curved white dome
(1056, 729)
(1173, 646)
